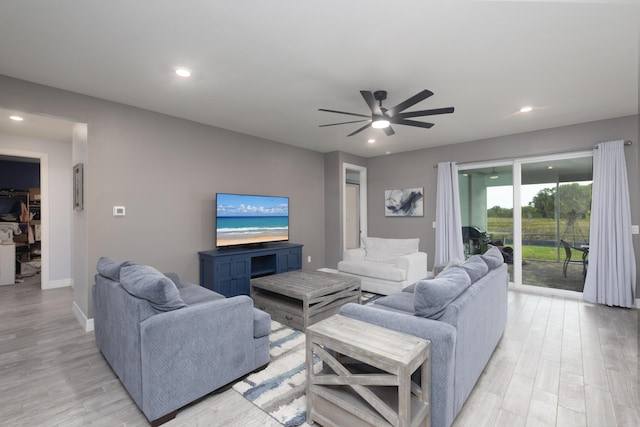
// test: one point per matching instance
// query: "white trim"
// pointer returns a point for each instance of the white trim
(87, 324)
(363, 201)
(53, 284)
(539, 290)
(516, 182)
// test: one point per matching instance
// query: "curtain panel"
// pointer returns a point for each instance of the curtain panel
(449, 244)
(611, 275)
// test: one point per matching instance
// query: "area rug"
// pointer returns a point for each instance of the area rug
(279, 389)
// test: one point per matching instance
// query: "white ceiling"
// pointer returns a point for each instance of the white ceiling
(265, 67)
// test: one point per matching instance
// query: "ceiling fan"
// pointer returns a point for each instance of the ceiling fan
(382, 118)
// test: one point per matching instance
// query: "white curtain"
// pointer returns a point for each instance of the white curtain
(611, 275)
(448, 223)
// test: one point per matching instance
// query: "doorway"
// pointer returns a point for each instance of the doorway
(354, 215)
(32, 242)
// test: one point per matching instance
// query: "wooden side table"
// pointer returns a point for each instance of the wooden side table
(342, 394)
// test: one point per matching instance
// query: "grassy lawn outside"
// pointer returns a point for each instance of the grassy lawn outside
(538, 229)
(546, 253)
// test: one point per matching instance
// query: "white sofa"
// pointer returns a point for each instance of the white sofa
(385, 266)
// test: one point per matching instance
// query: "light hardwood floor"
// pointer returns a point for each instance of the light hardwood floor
(561, 362)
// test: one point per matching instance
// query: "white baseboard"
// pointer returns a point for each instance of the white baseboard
(87, 324)
(555, 292)
(53, 284)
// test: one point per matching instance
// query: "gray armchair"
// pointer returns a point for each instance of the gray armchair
(171, 343)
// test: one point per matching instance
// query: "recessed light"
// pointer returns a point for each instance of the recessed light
(16, 118)
(371, 141)
(526, 109)
(183, 72)
(549, 167)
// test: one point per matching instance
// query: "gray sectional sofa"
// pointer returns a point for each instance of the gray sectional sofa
(171, 343)
(463, 311)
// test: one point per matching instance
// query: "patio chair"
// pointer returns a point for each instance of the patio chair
(567, 259)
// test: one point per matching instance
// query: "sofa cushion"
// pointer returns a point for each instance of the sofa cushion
(401, 301)
(431, 297)
(493, 257)
(379, 270)
(194, 294)
(175, 279)
(388, 250)
(475, 267)
(148, 283)
(411, 288)
(109, 268)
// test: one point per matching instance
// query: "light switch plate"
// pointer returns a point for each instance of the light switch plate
(635, 229)
(118, 211)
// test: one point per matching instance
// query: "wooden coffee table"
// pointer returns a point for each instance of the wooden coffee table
(302, 297)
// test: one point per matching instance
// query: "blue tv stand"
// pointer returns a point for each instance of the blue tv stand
(229, 271)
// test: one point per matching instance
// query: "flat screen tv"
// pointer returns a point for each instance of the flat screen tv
(243, 219)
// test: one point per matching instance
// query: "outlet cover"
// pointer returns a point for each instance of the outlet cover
(635, 229)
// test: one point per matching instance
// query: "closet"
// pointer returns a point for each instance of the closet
(20, 247)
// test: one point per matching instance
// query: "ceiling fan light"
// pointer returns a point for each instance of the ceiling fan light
(381, 123)
(183, 72)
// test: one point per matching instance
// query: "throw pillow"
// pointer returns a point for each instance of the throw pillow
(388, 250)
(493, 258)
(431, 297)
(148, 283)
(175, 279)
(440, 268)
(109, 268)
(475, 267)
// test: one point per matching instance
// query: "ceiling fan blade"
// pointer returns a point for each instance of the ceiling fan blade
(344, 112)
(360, 130)
(389, 131)
(371, 102)
(432, 112)
(401, 121)
(421, 96)
(344, 123)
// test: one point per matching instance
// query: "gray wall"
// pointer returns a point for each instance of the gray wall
(415, 169)
(166, 171)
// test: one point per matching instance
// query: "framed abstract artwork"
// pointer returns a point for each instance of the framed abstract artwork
(404, 202)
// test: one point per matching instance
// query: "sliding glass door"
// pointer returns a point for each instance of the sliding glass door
(555, 222)
(486, 206)
(546, 239)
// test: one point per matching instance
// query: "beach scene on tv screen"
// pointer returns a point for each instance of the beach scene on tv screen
(245, 220)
